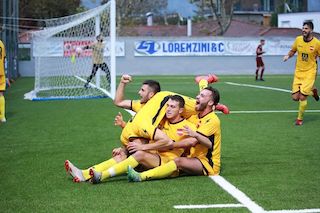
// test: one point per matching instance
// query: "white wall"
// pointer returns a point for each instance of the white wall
(188, 65)
(295, 20)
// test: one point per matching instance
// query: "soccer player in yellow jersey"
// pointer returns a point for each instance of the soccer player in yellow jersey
(308, 48)
(2, 82)
(97, 58)
(144, 125)
(147, 90)
(204, 157)
(172, 126)
(145, 122)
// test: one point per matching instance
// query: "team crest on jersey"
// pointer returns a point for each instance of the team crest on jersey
(311, 48)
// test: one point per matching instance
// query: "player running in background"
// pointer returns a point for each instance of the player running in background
(97, 59)
(204, 158)
(259, 61)
(172, 126)
(2, 82)
(147, 90)
(308, 48)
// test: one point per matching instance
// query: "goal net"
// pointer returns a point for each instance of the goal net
(64, 56)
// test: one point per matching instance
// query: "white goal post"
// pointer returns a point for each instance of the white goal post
(64, 52)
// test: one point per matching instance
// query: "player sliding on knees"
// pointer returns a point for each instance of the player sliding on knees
(97, 58)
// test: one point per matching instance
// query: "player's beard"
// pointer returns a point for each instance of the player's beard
(201, 106)
(307, 37)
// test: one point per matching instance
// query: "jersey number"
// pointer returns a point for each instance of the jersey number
(304, 57)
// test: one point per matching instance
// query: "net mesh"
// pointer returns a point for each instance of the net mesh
(63, 54)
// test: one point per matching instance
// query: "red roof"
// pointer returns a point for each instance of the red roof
(237, 28)
(241, 29)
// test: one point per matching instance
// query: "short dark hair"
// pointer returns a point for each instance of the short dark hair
(215, 94)
(309, 24)
(154, 85)
(178, 99)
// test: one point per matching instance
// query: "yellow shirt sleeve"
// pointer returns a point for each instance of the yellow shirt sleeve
(136, 105)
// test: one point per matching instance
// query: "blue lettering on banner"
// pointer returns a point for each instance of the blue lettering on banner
(176, 48)
(192, 47)
(148, 47)
(221, 47)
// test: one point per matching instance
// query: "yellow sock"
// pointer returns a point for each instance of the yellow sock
(99, 167)
(203, 84)
(105, 165)
(159, 172)
(302, 108)
(2, 107)
(119, 168)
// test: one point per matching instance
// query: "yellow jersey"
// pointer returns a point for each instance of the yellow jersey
(136, 105)
(173, 130)
(307, 54)
(97, 52)
(148, 118)
(209, 126)
(2, 57)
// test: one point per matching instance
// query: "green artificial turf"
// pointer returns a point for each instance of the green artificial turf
(269, 159)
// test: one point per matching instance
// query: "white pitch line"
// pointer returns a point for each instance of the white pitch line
(296, 211)
(228, 205)
(260, 87)
(237, 194)
(271, 111)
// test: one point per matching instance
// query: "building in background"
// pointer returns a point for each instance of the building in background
(295, 19)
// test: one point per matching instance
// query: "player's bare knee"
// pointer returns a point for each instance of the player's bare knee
(139, 155)
(179, 162)
(295, 97)
(119, 158)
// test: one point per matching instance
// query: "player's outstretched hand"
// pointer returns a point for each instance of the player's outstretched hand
(117, 151)
(285, 58)
(118, 120)
(126, 78)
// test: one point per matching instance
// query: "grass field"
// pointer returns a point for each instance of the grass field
(273, 162)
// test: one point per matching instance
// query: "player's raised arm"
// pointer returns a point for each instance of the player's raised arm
(119, 97)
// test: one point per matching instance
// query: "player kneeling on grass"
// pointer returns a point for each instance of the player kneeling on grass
(145, 122)
(204, 158)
